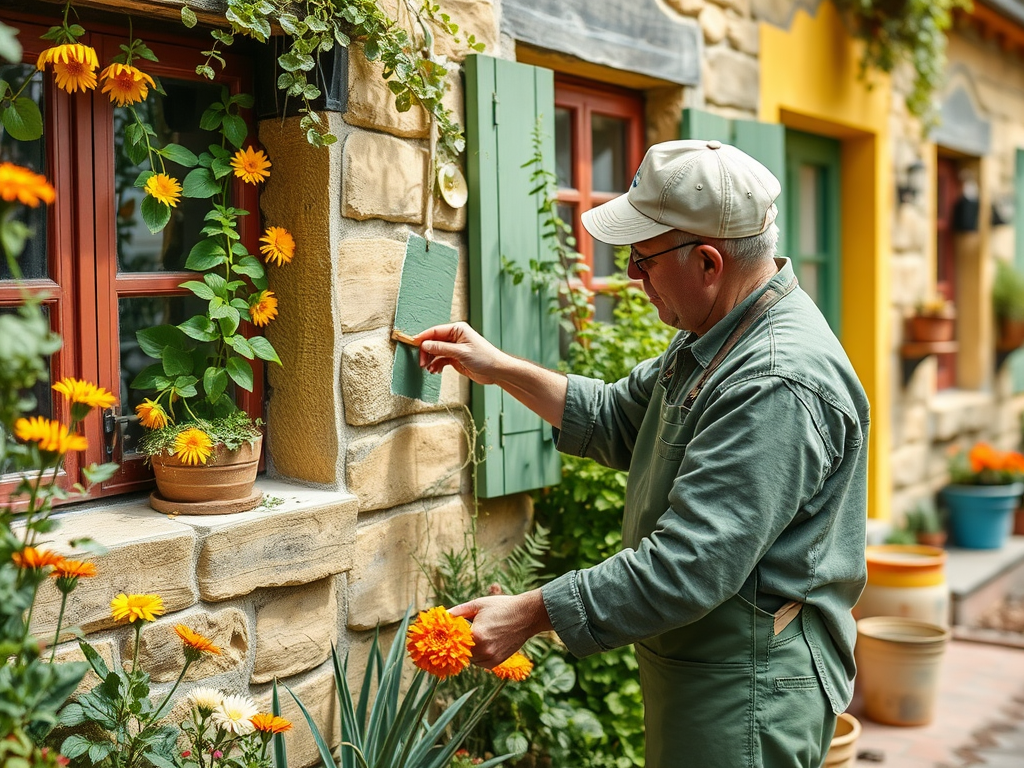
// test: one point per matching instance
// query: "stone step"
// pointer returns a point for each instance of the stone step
(980, 579)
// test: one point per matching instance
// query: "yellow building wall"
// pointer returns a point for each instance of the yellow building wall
(810, 81)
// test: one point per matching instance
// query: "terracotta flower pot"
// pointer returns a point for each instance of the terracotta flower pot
(224, 484)
(931, 328)
(842, 752)
(1011, 334)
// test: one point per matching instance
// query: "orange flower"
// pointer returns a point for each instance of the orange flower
(164, 189)
(68, 572)
(74, 66)
(251, 166)
(84, 392)
(264, 309)
(440, 643)
(151, 415)
(516, 668)
(195, 644)
(126, 84)
(135, 607)
(267, 723)
(30, 557)
(280, 245)
(982, 456)
(21, 184)
(51, 436)
(193, 446)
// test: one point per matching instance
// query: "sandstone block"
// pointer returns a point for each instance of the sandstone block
(366, 384)
(383, 178)
(745, 35)
(448, 218)
(713, 23)
(146, 554)
(474, 17)
(359, 648)
(369, 273)
(503, 523)
(913, 426)
(411, 462)
(69, 652)
(292, 544)
(909, 464)
(686, 7)
(371, 104)
(731, 79)
(946, 423)
(742, 7)
(317, 694)
(295, 630)
(386, 577)
(161, 652)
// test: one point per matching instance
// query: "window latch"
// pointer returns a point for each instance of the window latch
(113, 430)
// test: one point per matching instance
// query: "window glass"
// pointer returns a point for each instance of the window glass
(604, 259)
(809, 279)
(609, 153)
(563, 148)
(175, 117)
(40, 393)
(28, 154)
(810, 239)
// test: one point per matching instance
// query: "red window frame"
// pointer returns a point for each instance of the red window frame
(583, 99)
(82, 241)
(948, 189)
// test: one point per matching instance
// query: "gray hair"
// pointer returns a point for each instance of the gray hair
(745, 251)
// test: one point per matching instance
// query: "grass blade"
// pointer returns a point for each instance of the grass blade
(280, 754)
(321, 745)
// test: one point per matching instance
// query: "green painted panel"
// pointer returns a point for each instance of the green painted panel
(766, 143)
(424, 300)
(530, 462)
(1016, 361)
(698, 124)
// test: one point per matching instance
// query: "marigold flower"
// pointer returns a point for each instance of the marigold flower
(25, 186)
(982, 456)
(440, 643)
(234, 714)
(68, 572)
(164, 189)
(30, 557)
(151, 414)
(267, 723)
(280, 245)
(126, 84)
(135, 607)
(195, 642)
(74, 66)
(515, 668)
(84, 393)
(205, 699)
(251, 166)
(51, 436)
(264, 309)
(193, 446)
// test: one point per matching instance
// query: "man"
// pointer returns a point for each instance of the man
(746, 445)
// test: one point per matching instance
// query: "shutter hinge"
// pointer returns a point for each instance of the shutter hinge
(501, 429)
(494, 107)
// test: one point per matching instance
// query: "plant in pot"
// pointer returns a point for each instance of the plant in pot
(985, 488)
(203, 448)
(925, 525)
(1008, 305)
(933, 319)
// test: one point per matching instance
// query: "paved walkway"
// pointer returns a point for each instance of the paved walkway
(979, 717)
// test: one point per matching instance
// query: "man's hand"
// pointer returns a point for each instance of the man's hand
(501, 624)
(462, 348)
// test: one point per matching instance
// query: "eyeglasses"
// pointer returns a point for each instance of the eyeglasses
(634, 254)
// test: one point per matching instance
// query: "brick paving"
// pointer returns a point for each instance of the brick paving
(979, 718)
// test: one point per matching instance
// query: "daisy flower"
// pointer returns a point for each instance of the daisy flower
(264, 309)
(151, 414)
(126, 84)
(74, 66)
(193, 446)
(234, 714)
(279, 245)
(136, 607)
(164, 189)
(251, 166)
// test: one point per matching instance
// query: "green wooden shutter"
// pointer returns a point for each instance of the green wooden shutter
(766, 142)
(504, 100)
(1016, 361)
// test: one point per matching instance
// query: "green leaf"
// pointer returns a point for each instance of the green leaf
(200, 328)
(188, 17)
(75, 746)
(215, 382)
(180, 155)
(202, 290)
(217, 284)
(100, 473)
(155, 214)
(142, 178)
(249, 266)
(13, 234)
(153, 340)
(147, 377)
(200, 184)
(240, 373)
(205, 255)
(210, 119)
(235, 129)
(177, 362)
(22, 119)
(241, 345)
(264, 349)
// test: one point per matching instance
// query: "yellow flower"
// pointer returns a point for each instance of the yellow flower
(21, 184)
(267, 723)
(440, 643)
(126, 84)
(51, 436)
(516, 668)
(151, 415)
(135, 607)
(30, 557)
(193, 446)
(251, 166)
(264, 309)
(195, 644)
(165, 189)
(280, 245)
(84, 392)
(68, 572)
(74, 66)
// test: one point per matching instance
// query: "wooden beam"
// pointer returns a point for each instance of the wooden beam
(208, 12)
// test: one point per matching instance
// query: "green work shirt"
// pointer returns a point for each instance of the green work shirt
(763, 480)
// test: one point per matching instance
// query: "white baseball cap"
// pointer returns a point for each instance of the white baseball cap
(704, 187)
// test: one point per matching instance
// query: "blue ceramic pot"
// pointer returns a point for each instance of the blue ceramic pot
(981, 516)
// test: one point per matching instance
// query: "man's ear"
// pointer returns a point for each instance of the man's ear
(712, 263)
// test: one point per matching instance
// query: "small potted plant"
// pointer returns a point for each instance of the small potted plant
(985, 487)
(1008, 305)
(934, 319)
(924, 522)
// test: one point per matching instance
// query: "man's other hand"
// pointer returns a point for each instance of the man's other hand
(502, 624)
